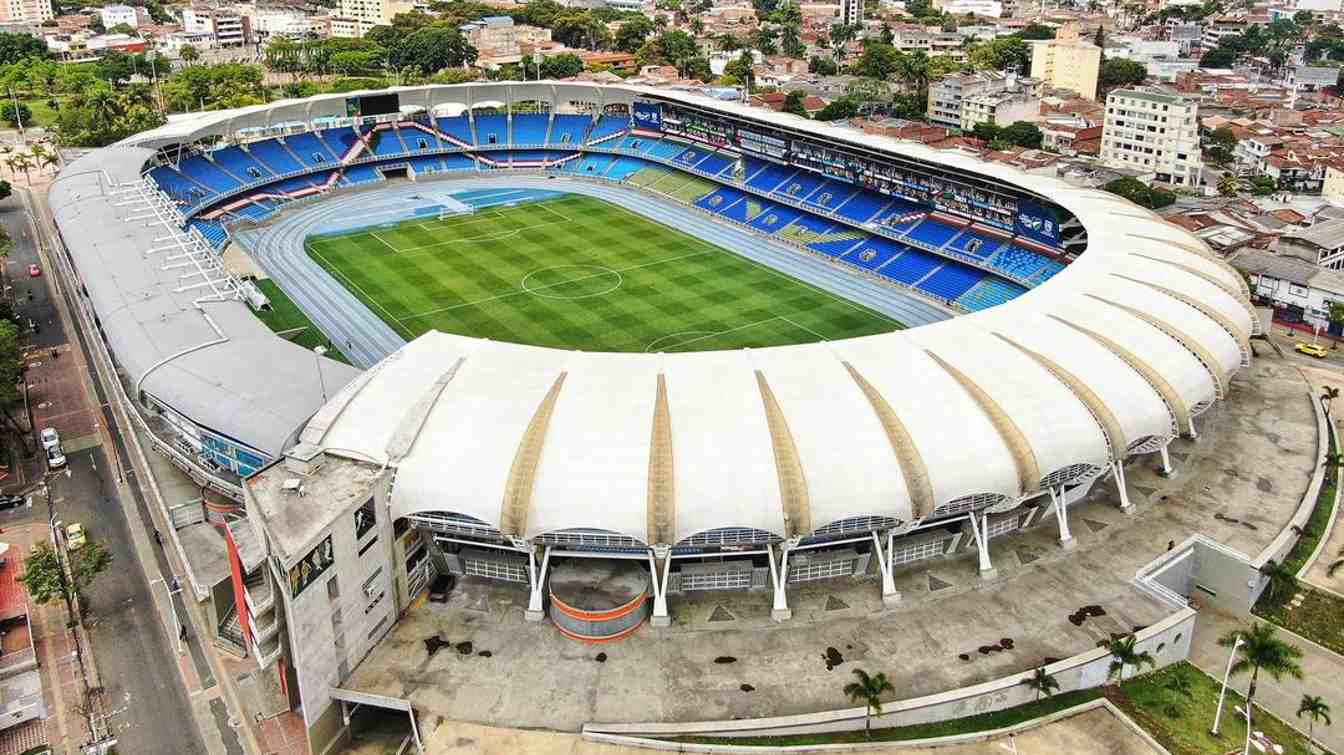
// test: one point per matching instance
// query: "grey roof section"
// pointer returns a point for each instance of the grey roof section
(1327, 235)
(203, 359)
(1290, 268)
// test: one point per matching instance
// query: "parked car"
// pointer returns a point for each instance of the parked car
(442, 587)
(75, 537)
(12, 501)
(50, 438)
(1311, 350)
(55, 459)
(34, 271)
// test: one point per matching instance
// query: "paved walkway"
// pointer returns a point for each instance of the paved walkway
(1322, 672)
(1094, 731)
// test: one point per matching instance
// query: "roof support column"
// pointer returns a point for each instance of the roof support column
(1066, 540)
(779, 576)
(980, 531)
(1118, 469)
(660, 553)
(890, 596)
(536, 582)
(1194, 434)
(1166, 470)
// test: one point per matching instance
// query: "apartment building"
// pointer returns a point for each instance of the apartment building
(1067, 64)
(355, 17)
(851, 12)
(1218, 27)
(1001, 108)
(225, 25)
(116, 15)
(948, 97)
(931, 43)
(1151, 130)
(25, 11)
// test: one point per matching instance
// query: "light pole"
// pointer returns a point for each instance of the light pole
(1217, 718)
(171, 588)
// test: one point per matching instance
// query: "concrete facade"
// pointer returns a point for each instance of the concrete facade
(1067, 64)
(1150, 130)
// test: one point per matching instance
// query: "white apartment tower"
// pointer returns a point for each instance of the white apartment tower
(1149, 130)
(25, 11)
(851, 12)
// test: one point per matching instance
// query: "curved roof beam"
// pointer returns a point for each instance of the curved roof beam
(1110, 426)
(513, 512)
(1184, 339)
(1180, 413)
(1237, 294)
(788, 465)
(1242, 338)
(1024, 458)
(908, 457)
(413, 421)
(661, 506)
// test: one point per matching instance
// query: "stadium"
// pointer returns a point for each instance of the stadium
(615, 345)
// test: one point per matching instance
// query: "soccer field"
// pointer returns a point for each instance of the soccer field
(578, 273)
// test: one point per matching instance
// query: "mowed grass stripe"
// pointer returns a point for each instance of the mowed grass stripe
(598, 278)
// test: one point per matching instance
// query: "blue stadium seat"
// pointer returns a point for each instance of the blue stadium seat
(1046, 273)
(607, 126)
(426, 164)
(214, 233)
(862, 206)
(492, 129)
(623, 167)
(241, 165)
(456, 127)
(800, 185)
(387, 144)
(910, 266)
(768, 177)
(1019, 262)
(202, 171)
(591, 165)
(419, 141)
(775, 218)
(178, 187)
(814, 224)
(988, 293)
(311, 150)
(874, 253)
(568, 130)
(665, 149)
(358, 174)
(640, 144)
(252, 211)
(715, 164)
(273, 155)
(529, 129)
(527, 156)
(951, 280)
(457, 161)
(932, 232)
(832, 194)
(339, 140)
(719, 199)
(836, 248)
(976, 245)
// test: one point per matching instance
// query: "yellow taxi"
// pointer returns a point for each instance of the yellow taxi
(75, 537)
(1311, 350)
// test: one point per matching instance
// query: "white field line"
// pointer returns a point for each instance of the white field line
(717, 333)
(531, 289)
(361, 291)
(800, 326)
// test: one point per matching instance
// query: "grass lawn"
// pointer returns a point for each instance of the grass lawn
(578, 273)
(983, 722)
(286, 319)
(1181, 722)
(1319, 616)
(42, 113)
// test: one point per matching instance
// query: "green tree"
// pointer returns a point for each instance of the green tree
(1280, 579)
(1127, 656)
(1260, 649)
(765, 39)
(790, 40)
(868, 690)
(190, 54)
(1119, 72)
(1023, 134)
(1220, 146)
(1041, 682)
(15, 116)
(986, 131)
(45, 582)
(8, 243)
(1315, 709)
(561, 66)
(822, 66)
(126, 29)
(430, 49)
(1001, 54)
(1037, 31)
(1229, 185)
(1330, 393)
(878, 61)
(1139, 193)
(1218, 57)
(17, 47)
(632, 34)
(793, 103)
(839, 109)
(742, 68)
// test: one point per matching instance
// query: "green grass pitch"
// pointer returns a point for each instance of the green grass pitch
(578, 273)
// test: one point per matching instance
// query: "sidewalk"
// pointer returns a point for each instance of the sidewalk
(1321, 675)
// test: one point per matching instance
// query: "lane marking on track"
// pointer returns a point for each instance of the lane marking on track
(360, 290)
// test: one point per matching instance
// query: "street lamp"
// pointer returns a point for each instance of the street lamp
(1217, 718)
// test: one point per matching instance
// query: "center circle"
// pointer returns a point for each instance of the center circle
(571, 282)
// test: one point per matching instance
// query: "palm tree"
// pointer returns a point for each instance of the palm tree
(1261, 650)
(1328, 396)
(868, 690)
(189, 54)
(1335, 565)
(1315, 709)
(1125, 654)
(1280, 578)
(1180, 684)
(1042, 682)
(1229, 185)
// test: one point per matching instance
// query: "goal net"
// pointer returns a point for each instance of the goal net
(452, 212)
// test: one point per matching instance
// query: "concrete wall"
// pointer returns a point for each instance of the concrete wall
(1168, 641)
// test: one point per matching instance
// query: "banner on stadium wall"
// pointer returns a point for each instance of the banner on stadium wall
(649, 115)
(1037, 222)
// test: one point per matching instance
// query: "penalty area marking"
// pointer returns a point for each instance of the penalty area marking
(602, 273)
(701, 335)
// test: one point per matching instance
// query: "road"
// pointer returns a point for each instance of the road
(145, 693)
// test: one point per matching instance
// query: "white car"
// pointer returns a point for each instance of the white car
(55, 459)
(50, 438)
